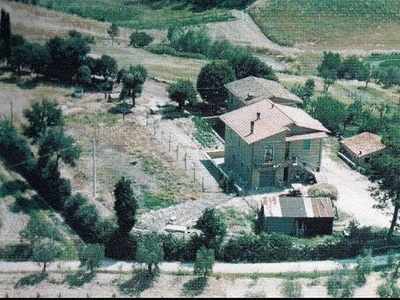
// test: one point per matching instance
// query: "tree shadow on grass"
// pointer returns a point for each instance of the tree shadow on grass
(140, 281)
(32, 279)
(79, 278)
(195, 287)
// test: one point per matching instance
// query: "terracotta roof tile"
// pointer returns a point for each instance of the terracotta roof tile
(364, 143)
(251, 87)
(274, 119)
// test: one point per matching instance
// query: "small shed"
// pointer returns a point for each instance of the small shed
(298, 216)
(362, 148)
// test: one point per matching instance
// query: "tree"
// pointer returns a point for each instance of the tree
(213, 227)
(91, 255)
(113, 31)
(182, 91)
(67, 55)
(140, 39)
(305, 92)
(350, 68)
(38, 229)
(330, 112)
(211, 80)
(83, 76)
(106, 66)
(40, 58)
(5, 34)
(364, 73)
(150, 251)
(15, 149)
(329, 68)
(132, 82)
(125, 205)
(46, 252)
(204, 262)
(385, 171)
(245, 64)
(55, 146)
(21, 56)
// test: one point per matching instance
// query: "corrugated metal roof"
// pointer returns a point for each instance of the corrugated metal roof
(364, 143)
(251, 87)
(298, 207)
(274, 119)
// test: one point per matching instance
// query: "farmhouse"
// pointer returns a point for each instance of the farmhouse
(298, 216)
(361, 149)
(252, 89)
(268, 144)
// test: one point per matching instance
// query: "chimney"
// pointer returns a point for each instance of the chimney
(258, 115)
(251, 127)
(272, 105)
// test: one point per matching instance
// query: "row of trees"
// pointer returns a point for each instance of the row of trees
(333, 67)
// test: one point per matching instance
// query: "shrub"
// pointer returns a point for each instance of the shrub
(139, 39)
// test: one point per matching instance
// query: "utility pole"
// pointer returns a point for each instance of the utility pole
(94, 167)
(11, 114)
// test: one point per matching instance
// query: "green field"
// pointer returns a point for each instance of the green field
(133, 14)
(323, 22)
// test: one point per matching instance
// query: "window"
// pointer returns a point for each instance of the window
(269, 154)
(306, 145)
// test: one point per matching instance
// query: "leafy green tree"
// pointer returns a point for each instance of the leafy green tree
(139, 39)
(364, 266)
(85, 222)
(329, 68)
(15, 149)
(91, 255)
(38, 229)
(211, 80)
(40, 58)
(21, 56)
(5, 33)
(125, 205)
(364, 73)
(305, 92)
(41, 116)
(213, 227)
(132, 82)
(246, 64)
(385, 171)
(182, 91)
(106, 66)
(67, 55)
(204, 262)
(150, 251)
(330, 112)
(350, 67)
(55, 146)
(72, 203)
(113, 31)
(388, 289)
(83, 76)
(45, 252)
